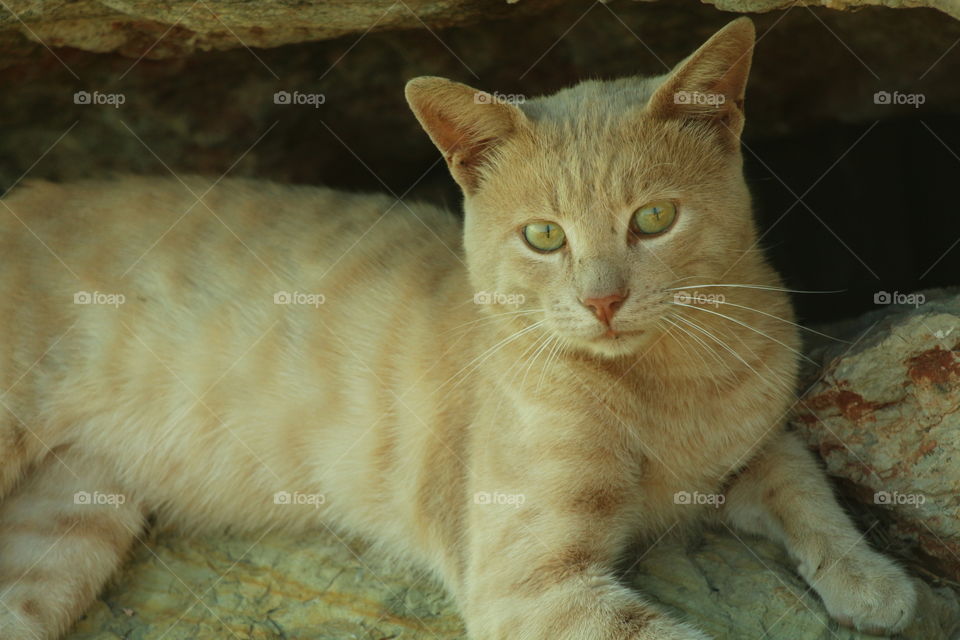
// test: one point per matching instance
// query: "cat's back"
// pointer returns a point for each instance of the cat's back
(133, 216)
(195, 271)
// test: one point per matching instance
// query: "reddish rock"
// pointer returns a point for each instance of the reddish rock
(883, 415)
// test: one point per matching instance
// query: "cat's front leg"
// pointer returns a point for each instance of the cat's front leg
(785, 496)
(538, 567)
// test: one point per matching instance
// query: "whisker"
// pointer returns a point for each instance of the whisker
(555, 352)
(747, 326)
(703, 361)
(476, 362)
(734, 353)
(533, 359)
(494, 316)
(760, 287)
(711, 350)
(522, 358)
(509, 373)
(770, 315)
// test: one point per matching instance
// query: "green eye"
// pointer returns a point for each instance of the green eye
(654, 218)
(544, 236)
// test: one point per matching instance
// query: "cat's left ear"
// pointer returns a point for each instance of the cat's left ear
(464, 123)
(709, 85)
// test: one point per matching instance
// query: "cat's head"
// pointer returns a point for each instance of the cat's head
(593, 203)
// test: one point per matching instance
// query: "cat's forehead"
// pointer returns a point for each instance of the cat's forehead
(603, 162)
(596, 100)
(591, 152)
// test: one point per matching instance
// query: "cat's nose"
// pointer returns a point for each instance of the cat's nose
(604, 307)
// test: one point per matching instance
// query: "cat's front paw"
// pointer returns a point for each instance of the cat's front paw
(866, 591)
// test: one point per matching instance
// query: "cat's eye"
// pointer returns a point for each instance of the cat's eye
(653, 218)
(544, 236)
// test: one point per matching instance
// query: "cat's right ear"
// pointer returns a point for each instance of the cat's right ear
(464, 123)
(709, 85)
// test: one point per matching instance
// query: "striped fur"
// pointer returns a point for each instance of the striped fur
(247, 354)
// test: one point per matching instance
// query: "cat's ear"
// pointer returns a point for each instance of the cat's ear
(464, 123)
(710, 84)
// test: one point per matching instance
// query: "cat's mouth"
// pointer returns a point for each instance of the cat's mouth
(618, 337)
(612, 342)
(618, 334)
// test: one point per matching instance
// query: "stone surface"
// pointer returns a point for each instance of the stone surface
(169, 29)
(324, 587)
(885, 417)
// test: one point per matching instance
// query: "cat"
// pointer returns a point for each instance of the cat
(594, 357)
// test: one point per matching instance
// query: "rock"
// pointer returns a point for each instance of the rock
(159, 30)
(169, 29)
(759, 6)
(883, 415)
(320, 586)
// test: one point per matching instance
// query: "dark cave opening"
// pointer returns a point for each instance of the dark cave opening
(878, 211)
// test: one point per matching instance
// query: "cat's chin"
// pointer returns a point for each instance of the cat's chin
(620, 344)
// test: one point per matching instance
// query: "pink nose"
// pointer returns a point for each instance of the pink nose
(605, 307)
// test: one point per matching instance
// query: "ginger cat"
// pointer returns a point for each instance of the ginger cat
(594, 357)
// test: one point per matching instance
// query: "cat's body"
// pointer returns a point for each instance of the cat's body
(338, 350)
